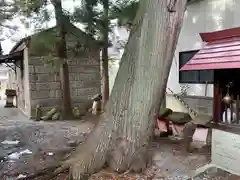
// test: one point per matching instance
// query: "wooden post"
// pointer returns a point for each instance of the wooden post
(206, 87)
(216, 103)
(231, 109)
(237, 109)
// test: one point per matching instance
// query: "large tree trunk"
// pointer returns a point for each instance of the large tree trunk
(62, 54)
(122, 136)
(105, 74)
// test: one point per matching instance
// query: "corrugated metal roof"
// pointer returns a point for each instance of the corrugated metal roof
(222, 51)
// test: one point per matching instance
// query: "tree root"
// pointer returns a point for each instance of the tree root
(52, 171)
(43, 172)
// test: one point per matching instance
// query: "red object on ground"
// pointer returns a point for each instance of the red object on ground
(222, 51)
(162, 124)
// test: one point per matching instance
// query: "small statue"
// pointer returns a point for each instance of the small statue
(97, 103)
(38, 112)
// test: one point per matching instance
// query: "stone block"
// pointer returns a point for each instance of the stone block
(32, 86)
(95, 83)
(84, 99)
(43, 94)
(48, 86)
(35, 60)
(76, 84)
(33, 77)
(88, 91)
(84, 69)
(85, 84)
(84, 61)
(45, 69)
(88, 76)
(55, 93)
(76, 60)
(31, 69)
(45, 77)
(73, 77)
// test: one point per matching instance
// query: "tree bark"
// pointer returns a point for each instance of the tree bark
(123, 134)
(62, 54)
(105, 74)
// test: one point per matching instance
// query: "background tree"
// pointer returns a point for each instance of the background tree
(97, 20)
(61, 21)
(8, 10)
(125, 12)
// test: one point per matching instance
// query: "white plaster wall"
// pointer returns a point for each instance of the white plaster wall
(120, 36)
(175, 105)
(22, 86)
(11, 79)
(26, 83)
(202, 16)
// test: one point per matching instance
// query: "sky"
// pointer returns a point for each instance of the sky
(119, 34)
(11, 38)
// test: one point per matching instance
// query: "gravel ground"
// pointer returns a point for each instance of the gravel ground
(48, 143)
(216, 174)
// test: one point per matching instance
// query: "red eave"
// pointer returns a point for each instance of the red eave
(222, 51)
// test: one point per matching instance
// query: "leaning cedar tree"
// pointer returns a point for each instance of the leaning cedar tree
(122, 137)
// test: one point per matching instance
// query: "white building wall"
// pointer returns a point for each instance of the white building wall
(202, 16)
(119, 38)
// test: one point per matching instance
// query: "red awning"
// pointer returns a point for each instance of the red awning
(222, 51)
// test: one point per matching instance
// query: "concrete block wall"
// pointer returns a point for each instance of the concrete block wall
(44, 83)
(85, 79)
(45, 89)
(201, 104)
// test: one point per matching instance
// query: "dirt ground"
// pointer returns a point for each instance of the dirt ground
(49, 142)
(44, 142)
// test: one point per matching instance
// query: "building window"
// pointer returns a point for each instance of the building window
(196, 77)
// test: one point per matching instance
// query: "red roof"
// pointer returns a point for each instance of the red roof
(222, 51)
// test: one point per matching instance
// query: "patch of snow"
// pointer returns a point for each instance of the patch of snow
(10, 142)
(16, 155)
(50, 153)
(20, 176)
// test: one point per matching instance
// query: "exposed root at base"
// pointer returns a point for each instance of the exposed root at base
(76, 171)
(119, 160)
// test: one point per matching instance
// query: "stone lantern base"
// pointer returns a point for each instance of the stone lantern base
(10, 94)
